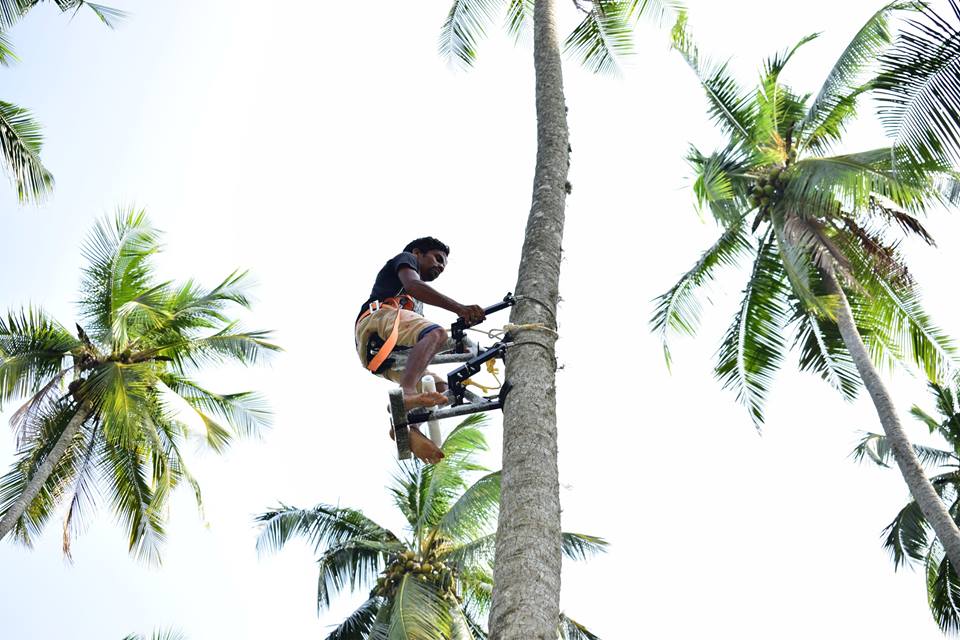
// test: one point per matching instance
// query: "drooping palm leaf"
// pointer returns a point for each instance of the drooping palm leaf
(834, 97)
(604, 36)
(754, 346)
(570, 629)
(33, 348)
(679, 309)
(20, 143)
(358, 624)
(918, 89)
(731, 106)
(466, 23)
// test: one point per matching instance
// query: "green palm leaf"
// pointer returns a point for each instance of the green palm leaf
(465, 25)
(579, 546)
(570, 629)
(877, 448)
(20, 144)
(136, 505)
(33, 347)
(730, 106)
(823, 352)
(847, 71)
(418, 612)
(358, 624)
(943, 591)
(322, 526)
(679, 310)
(603, 36)
(354, 564)
(753, 348)
(118, 253)
(908, 536)
(474, 511)
(519, 17)
(917, 88)
(246, 411)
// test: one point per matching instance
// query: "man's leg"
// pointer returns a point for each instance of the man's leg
(417, 360)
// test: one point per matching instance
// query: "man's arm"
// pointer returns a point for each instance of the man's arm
(422, 291)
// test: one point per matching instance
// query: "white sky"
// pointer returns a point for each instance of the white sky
(309, 142)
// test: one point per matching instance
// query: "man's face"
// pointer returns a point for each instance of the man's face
(431, 263)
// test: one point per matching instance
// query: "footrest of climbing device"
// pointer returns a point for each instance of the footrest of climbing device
(398, 419)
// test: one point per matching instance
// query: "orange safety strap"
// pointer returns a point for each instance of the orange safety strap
(387, 347)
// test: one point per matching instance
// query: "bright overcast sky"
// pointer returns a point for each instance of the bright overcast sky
(308, 142)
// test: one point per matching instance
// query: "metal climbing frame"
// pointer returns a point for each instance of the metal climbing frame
(462, 401)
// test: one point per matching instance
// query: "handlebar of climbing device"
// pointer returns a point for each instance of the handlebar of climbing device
(458, 328)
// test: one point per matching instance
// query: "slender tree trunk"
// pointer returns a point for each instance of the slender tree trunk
(526, 594)
(43, 472)
(920, 487)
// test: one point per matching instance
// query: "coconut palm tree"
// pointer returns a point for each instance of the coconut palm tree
(435, 581)
(104, 404)
(820, 229)
(20, 135)
(909, 536)
(526, 603)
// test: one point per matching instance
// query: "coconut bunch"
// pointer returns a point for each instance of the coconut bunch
(425, 568)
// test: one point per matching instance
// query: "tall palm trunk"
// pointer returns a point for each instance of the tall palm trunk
(526, 595)
(920, 487)
(43, 472)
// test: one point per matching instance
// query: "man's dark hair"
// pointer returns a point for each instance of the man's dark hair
(427, 244)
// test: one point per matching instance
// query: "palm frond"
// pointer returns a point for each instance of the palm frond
(722, 182)
(519, 17)
(33, 347)
(829, 127)
(918, 90)
(443, 482)
(603, 37)
(477, 552)
(118, 253)
(473, 513)
(465, 25)
(323, 526)
(943, 591)
(580, 546)
(358, 624)
(679, 309)
(823, 352)
(753, 348)
(908, 536)
(120, 394)
(570, 629)
(854, 179)
(355, 564)
(847, 72)
(418, 611)
(876, 447)
(20, 143)
(730, 106)
(895, 322)
(247, 412)
(138, 508)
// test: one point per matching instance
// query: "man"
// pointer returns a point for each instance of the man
(392, 317)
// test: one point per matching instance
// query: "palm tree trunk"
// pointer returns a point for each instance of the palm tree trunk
(42, 474)
(920, 487)
(526, 594)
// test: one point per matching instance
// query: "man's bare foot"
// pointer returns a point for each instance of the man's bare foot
(423, 447)
(415, 400)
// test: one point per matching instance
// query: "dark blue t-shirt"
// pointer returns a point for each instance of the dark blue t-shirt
(388, 284)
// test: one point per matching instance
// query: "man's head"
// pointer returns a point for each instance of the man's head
(431, 256)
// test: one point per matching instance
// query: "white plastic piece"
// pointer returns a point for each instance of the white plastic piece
(429, 385)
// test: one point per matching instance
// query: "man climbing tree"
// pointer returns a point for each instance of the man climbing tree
(392, 317)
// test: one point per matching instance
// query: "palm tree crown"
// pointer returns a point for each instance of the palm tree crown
(909, 537)
(436, 581)
(103, 404)
(600, 42)
(807, 216)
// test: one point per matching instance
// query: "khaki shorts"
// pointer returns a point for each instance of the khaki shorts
(412, 328)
